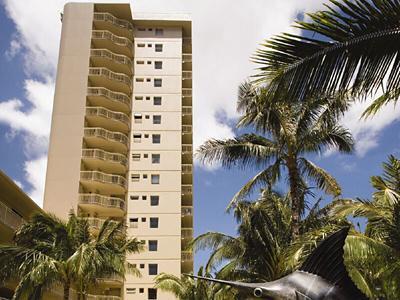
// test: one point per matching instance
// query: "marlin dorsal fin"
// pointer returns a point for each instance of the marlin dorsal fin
(327, 261)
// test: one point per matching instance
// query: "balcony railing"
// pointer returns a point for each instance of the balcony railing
(120, 77)
(113, 96)
(108, 114)
(186, 75)
(187, 189)
(117, 40)
(106, 156)
(105, 201)
(103, 178)
(107, 17)
(102, 297)
(118, 58)
(187, 128)
(187, 168)
(9, 217)
(186, 110)
(187, 211)
(186, 57)
(187, 92)
(106, 134)
(187, 149)
(186, 256)
(187, 233)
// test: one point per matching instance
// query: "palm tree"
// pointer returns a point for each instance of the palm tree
(291, 132)
(186, 288)
(264, 249)
(376, 254)
(48, 252)
(350, 46)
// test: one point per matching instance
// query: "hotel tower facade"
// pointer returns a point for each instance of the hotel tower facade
(121, 135)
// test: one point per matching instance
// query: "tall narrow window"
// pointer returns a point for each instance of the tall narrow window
(154, 200)
(156, 138)
(152, 294)
(156, 100)
(156, 119)
(153, 245)
(159, 31)
(158, 65)
(155, 158)
(155, 179)
(158, 47)
(153, 269)
(153, 222)
(157, 82)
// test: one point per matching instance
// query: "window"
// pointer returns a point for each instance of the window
(141, 290)
(157, 100)
(133, 222)
(144, 176)
(146, 136)
(147, 98)
(135, 156)
(153, 245)
(156, 138)
(142, 266)
(149, 62)
(152, 294)
(139, 79)
(148, 79)
(144, 197)
(153, 269)
(143, 220)
(147, 117)
(153, 222)
(155, 179)
(142, 29)
(139, 62)
(154, 200)
(135, 177)
(155, 158)
(150, 29)
(137, 138)
(159, 31)
(137, 118)
(156, 119)
(134, 197)
(141, 45)
(157, 82)
(138, 98)
(158, 47)
(131, 291)
(149, 45)
(145, 155)
(158, 65)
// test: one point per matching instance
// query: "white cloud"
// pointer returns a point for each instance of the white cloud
(13, 50)
(35, 173)
(19, 183)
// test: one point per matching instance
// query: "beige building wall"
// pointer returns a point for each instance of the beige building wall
(121, 137)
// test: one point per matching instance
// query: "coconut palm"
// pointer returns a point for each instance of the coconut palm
(376, 254)
(49, 252)
(264, 249)
(289, 134)
(186, 288)
(351, 45)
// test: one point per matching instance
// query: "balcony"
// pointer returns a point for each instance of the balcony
(111, 23)
(104, 205)
(187, 256)
(112, 280)
(186, 58)
(9, 218)
(186, 75)
(101, 96)
(187, 168)
(102, 297)
(187, 189)
(115, 62)
(95, 222)
(107, 161)
(187, 129)
(187, 149)
(111, 80)
(187, 211)
(186, 92)
(104, 39)
(103, 182)
(102, 117)
(96, 137)
(187, 233)
(187, 45)
(186, 110)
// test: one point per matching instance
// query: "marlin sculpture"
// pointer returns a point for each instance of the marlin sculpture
(323, 276)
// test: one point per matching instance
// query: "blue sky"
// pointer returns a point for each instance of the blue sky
(29, 33)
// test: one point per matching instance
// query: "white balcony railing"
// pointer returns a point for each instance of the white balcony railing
(187, 168)
(187, 189)
(105, 201)
(186, 75)
(117, 40)
(118, 58)
(104, 72)
(103, 178)
(187, 256)
(105, 156)
(108, 114)
(186, 110)
(9, 217)
(187, 128)
(113, 96)
(106, 134)
(107, 17)
(187, 148)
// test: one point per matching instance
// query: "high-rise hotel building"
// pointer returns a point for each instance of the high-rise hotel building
(121, 135)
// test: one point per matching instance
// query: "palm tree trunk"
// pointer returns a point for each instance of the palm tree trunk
(295, 195)
(66, 290)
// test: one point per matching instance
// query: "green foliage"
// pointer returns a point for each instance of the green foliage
(350, 46)
(48, 252)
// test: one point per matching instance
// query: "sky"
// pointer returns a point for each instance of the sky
(225, 34)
